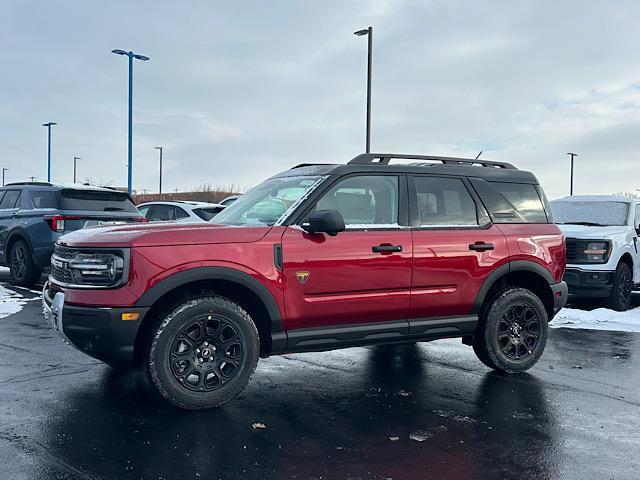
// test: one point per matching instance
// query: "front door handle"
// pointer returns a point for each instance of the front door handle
(386, 248)
(481, 246)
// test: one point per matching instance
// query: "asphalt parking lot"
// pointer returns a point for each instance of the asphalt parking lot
(405, 412)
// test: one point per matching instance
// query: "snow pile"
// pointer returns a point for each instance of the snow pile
(11, 302)
(598, 319)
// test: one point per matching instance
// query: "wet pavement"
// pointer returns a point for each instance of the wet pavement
(406, 412)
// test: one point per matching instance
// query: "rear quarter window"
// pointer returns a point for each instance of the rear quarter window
(512, 202)
(96, 201)
(43, 199)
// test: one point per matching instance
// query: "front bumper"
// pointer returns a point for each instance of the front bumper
(96, 331)
(589, 283)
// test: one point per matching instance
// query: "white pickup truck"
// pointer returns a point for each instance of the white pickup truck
(602, 246)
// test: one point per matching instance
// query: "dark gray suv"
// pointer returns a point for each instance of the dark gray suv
(33, 215)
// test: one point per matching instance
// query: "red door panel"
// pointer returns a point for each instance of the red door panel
(447, 274)
(340, 280)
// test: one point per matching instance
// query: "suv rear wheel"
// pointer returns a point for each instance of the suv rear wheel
(203, 353)
(23, 271)
(512, 332)
(620, 296)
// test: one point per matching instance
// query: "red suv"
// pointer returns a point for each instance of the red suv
(317, 258)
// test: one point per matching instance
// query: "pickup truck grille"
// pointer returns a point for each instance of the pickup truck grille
(575, 250)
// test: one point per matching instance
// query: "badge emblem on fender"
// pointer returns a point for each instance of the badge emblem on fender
(302, 277)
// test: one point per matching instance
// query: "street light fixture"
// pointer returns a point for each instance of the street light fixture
(75, 159)
(131, 55)
(160, 186)
(572, 155)
(49, 125)
(369, 33)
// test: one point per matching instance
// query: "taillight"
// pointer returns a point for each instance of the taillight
(57, 222)
(140, 219)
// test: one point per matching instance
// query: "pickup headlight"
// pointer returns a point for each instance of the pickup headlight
(597, 252)
(90, 268)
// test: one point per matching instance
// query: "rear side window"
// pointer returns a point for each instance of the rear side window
(511, 202)
(207, 213)
(96, 201)
(165, 213)
(10, 199)
(444, 202)
(43, 199)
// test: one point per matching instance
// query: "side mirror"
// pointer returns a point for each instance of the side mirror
(325, 221)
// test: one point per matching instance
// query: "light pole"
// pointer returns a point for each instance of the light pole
(131, 56)
(369, 33)
(75, 159)
(4, 170)
(572, 155)
(160, 186)
(49, 125)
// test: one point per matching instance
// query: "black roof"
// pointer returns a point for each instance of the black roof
(381, 162)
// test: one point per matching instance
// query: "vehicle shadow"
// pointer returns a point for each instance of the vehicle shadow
(355, 422)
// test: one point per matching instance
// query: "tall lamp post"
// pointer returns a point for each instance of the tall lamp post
(49, 125)
(369, 33)
(4, 170)
(131, 56)
(572, 155)
(75, 160)
(160, 186)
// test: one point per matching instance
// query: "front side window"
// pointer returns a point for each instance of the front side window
(364, 201)
(144, 210)
(444, 202)
(636, 222)
(270, 202)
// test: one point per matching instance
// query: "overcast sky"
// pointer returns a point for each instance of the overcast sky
(237, 91)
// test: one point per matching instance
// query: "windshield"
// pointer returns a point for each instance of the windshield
(269, 202)
(590, 213)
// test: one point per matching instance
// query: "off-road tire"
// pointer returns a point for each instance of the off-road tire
(620, 297)
(161, 363)
(24, 271)
(486, 343)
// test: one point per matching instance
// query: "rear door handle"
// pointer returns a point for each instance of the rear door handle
(386, 248)
(481, 246)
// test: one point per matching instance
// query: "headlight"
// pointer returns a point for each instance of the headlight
(103, 269)
(597, 252)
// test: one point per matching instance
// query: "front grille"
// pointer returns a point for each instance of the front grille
(62, 274)
(575, 250)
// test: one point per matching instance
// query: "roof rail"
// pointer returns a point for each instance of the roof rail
(385, 158)
(43, 184)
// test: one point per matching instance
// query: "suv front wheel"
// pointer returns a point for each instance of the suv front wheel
(512, 332)
(203, 353)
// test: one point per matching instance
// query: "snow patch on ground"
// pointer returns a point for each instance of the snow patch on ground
(11, 302)
(598, 319)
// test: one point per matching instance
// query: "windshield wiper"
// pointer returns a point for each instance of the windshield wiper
(586, 224)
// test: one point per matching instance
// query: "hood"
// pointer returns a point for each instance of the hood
(584, 231)
(156, 234)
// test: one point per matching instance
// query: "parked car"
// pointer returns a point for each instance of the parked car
(180, 211)
(602, 246)
(33, 215)
(229, 200)
(317, 258)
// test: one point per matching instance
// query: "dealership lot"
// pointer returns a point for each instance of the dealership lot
(426, 411)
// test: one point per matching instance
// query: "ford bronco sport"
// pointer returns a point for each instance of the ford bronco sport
(317, 258)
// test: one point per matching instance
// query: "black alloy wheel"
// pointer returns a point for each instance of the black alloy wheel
(207, 353)
(202, 352)
(518, 331)
(620, 297)
(512, 331)
(23, 271)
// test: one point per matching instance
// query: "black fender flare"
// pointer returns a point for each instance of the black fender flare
(502, 270)
(214, 273)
